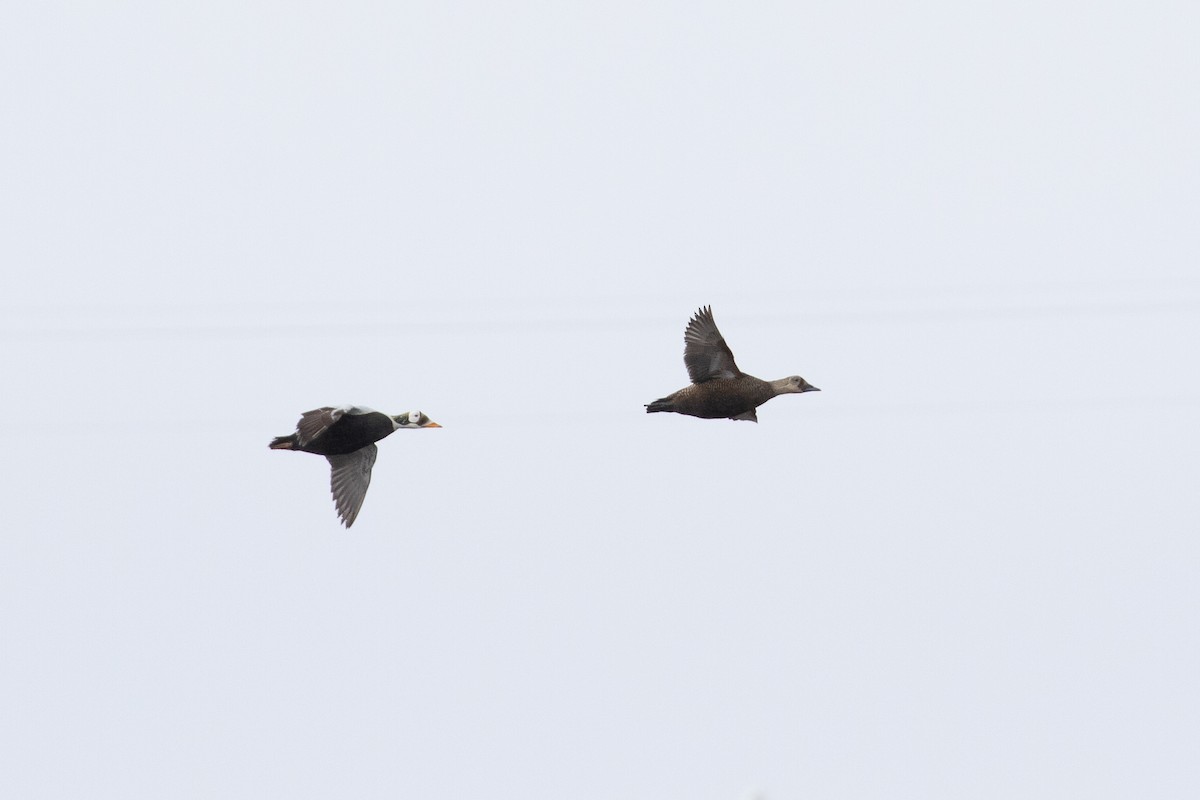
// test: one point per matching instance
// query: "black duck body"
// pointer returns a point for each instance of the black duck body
(327, 433)
(346, 436)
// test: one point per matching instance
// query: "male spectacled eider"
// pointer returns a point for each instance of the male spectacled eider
(719, 389)
(346, 435)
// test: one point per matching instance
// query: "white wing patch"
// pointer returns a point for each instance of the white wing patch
(355, 410)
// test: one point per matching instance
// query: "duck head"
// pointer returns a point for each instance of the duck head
(414, 419)
(793, 384)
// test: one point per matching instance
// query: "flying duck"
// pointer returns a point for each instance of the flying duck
(346, 435)
(719, 389)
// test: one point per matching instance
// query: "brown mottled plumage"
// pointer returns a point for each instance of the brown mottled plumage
(719, 389)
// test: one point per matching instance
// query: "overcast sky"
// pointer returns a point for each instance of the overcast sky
(965, 569)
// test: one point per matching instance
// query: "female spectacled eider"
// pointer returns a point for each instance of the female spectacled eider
(346, 435)
(719, 389)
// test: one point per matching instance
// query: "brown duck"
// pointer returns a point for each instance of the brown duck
(719, 389)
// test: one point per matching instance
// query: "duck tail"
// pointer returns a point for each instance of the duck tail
(662, 404)
(283, 443)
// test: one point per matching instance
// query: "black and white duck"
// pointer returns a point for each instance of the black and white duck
(719, 389)
(346, 435)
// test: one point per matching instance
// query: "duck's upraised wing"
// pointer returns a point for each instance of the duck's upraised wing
(704, 350)
(313, 423)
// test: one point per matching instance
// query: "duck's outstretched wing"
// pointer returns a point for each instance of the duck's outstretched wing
(350, 479)
(704, 350)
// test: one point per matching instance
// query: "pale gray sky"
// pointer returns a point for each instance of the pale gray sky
(966, 569)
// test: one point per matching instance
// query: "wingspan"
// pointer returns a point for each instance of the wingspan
(350, 479)
(704, 351)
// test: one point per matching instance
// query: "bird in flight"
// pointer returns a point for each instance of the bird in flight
(346, 435)
(719, 389)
